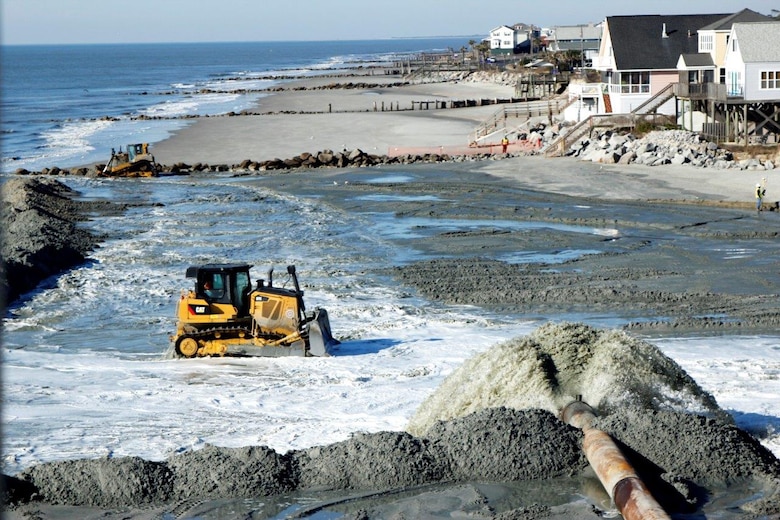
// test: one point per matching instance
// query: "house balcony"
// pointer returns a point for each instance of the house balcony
(701, 91)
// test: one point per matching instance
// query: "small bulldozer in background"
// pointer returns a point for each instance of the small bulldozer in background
(135, 162)
(225, 316)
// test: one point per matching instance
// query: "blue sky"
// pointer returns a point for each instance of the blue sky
(112, 21)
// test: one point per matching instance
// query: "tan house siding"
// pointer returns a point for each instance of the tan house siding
(660, 79)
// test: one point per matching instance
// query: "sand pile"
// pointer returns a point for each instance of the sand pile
(42, 233)
(41, 236)
(492, 421)
(556, 363)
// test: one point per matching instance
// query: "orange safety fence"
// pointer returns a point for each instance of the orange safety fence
(523, 146)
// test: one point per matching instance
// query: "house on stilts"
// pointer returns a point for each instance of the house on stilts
(718, 74)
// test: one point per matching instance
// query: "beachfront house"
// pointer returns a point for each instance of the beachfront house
(503, 40)
(637, 60)
(518, 38)
(714, 38)
(584, 39)
(729, 91)
(639, 55)
(752, 63)
(715, 74)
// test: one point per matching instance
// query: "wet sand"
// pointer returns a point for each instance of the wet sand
(661, 249)
(677, 243)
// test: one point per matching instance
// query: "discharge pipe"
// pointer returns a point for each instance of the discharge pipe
(616, 474)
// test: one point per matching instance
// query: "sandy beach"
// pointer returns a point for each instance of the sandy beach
(294, 121)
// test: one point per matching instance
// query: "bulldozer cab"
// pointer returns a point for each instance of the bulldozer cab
(223, 283)
(136, 150)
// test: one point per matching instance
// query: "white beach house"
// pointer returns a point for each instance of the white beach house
(752, 63)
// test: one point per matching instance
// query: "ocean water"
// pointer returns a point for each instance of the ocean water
(69, 105)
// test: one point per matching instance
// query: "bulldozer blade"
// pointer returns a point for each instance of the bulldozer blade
(321, 341)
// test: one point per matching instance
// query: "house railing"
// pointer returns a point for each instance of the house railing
(710, 91)
(619, 88)
(736, 91)
(499, 121)
(652, 104)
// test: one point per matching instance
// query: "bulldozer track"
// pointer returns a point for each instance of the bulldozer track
(219, 333)
(210, 332)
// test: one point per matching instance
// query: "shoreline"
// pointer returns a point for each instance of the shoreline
(297, 122)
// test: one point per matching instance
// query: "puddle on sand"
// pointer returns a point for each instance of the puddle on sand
(390, 179)
(400, 198)
(390, 226)
(535, 257)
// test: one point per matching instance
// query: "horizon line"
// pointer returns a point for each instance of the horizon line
(440, 37)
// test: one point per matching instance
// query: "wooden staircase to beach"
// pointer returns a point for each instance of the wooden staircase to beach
(511, 118)
(559, 146)
(654, 103)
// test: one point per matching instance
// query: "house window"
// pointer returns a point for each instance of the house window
(770, 79)
(706, 42)
(635, 82)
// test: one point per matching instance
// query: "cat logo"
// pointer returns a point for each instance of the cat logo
(199, 309)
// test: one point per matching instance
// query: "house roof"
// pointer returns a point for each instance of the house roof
(745, 15)
(578, 32)
(758, 41)
(638, 43)
(695, 61)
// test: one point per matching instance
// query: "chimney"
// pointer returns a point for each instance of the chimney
(663, 33)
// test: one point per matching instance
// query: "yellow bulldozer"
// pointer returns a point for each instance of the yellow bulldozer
(136, 161)
(223, 315)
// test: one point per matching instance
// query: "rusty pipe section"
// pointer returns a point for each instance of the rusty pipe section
(619, 478)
